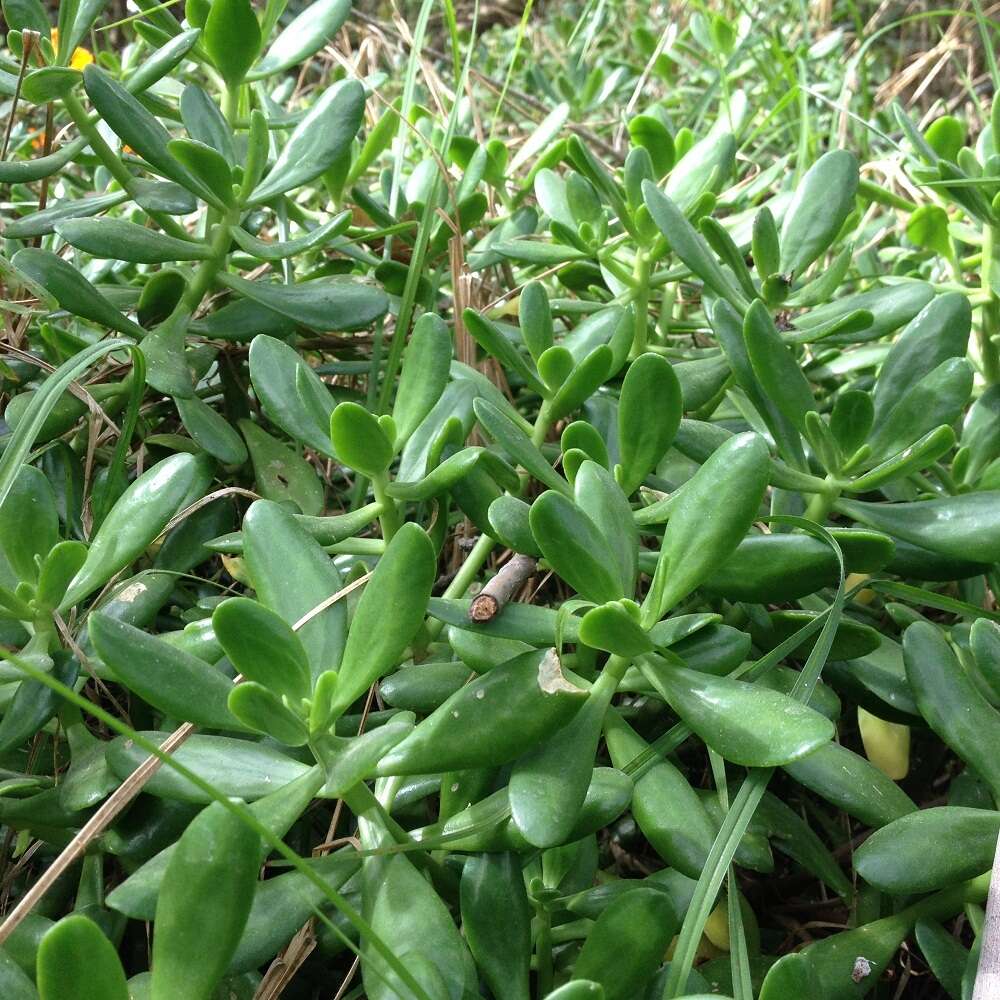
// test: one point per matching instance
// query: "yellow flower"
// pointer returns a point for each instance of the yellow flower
(81, 57)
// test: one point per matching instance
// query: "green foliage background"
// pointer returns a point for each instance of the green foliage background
(498, 501)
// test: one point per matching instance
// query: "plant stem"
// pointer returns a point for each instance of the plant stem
(989, 315)
(640, 288)
(209, 268)
(822, 503)
(389, 518)
(541, 426)
(231, 103)
(543, 952)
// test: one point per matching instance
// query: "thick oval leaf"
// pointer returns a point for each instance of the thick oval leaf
(260, 709)
(303, 37)
(138, 129)
(895, 859)
(666, 808)
(602, 500)
(44, 222)
(280, 472)
(207, 164)
(72, 290)
(262, 647)
(963, 527)
(138, 517)
(292, 575)
(731, 486)
(162, 61)
(581, 383)
(29, 522)
(358, 439)
(317, 142)
(403, 908)
(204, 904)
(349, 761)
(950, 702)
(690, 245)
(936, 399)
(323, 305)
(313, 239)
(173, 681)
(205, 122)
(119, 240)
(509, 710)
(76, 961)
(231, 36)
(425, 372)
(548, 785)
(939, 331)
(492, 884)
(279, 376)
(744, 723)
(401, 582)
(239, 768)
(822, 202)
(277, 811)
(518, 445)
(626, 944)
(779, 373)
(613, 628)
(209, 429)
(453, 469)
(649, 413)
(851, 783)
(575, 548)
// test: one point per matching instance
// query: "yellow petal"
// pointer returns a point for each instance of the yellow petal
(81, 58)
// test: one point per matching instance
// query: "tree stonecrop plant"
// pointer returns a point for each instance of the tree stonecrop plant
(456, 543)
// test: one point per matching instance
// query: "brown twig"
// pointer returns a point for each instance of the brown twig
(490, 601)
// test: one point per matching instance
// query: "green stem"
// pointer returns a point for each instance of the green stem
(474, 562)
(361, 800)
(640, 286)
(541, 426)
(101, 149)
(822, 503)
(231, 104)
(357, 547)
(945, 904)
(538, 434)
(210, 267)
(543, 952)
(389, 518)
(613, 671)
(989, 315)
